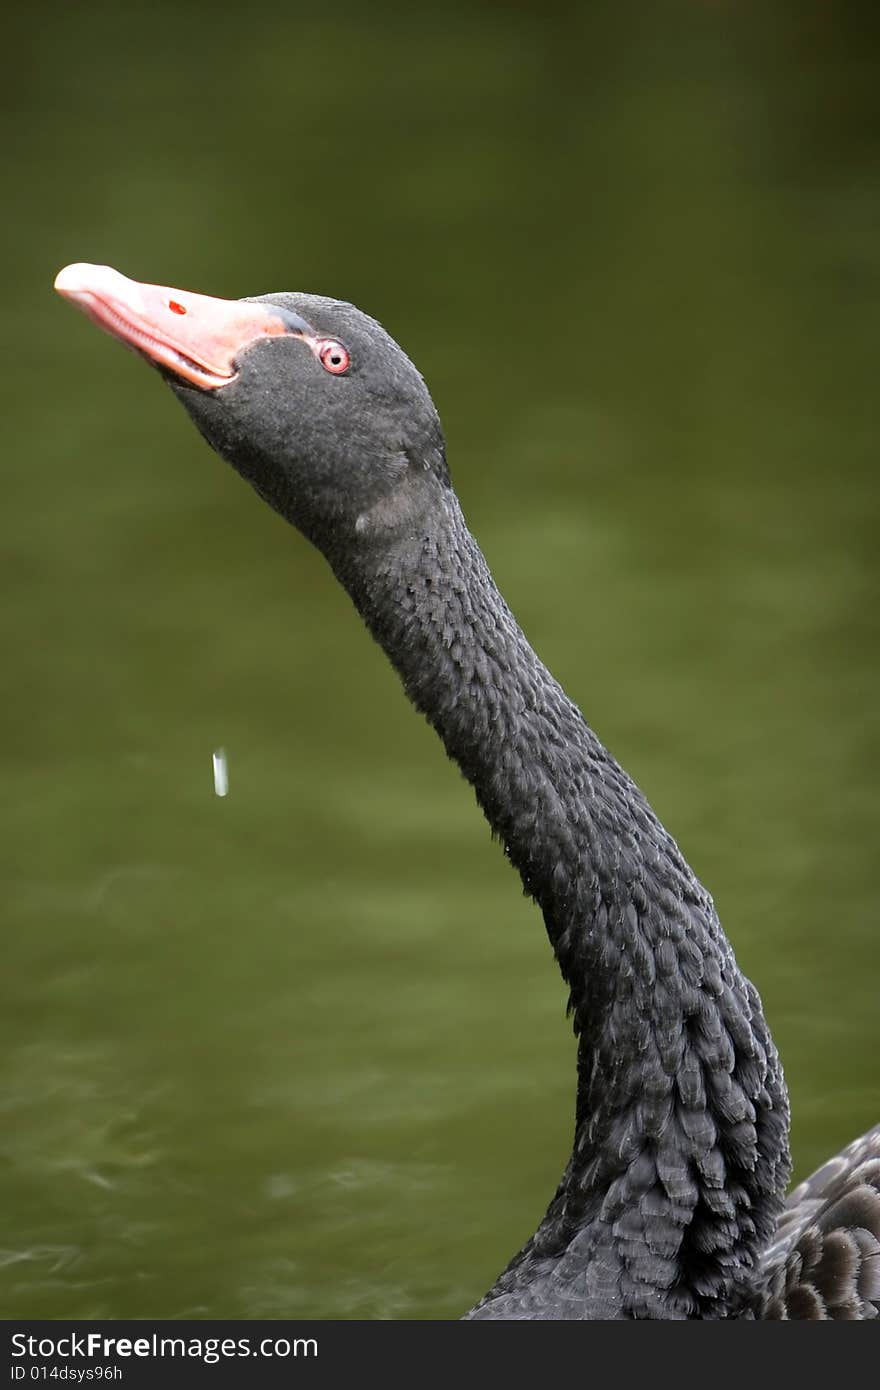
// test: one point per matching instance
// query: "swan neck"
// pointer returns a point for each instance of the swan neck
(680, 1155)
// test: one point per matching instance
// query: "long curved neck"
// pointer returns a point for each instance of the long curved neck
(680, 1152)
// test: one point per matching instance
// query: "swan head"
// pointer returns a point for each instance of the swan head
(307, 397)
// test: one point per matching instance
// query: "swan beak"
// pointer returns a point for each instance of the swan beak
(193, 336)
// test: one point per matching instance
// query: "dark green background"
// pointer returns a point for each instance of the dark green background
(302, 1051)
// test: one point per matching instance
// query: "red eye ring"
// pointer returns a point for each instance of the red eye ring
(334, 356)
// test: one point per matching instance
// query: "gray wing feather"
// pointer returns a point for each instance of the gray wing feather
(824, 1261)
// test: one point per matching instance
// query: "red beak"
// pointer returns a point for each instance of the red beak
(194, 336)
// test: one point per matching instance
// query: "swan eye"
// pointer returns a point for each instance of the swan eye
(334, 357)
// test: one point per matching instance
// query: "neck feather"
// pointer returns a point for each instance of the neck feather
(680, 1151)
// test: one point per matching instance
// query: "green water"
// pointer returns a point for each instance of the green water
(302, 1051)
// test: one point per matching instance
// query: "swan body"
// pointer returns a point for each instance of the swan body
(672, 1203)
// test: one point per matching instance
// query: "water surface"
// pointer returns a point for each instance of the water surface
(301, 1051)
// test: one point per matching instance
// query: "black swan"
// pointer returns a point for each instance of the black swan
(672, 1204)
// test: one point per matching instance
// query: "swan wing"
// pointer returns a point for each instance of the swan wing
(824, 1261)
